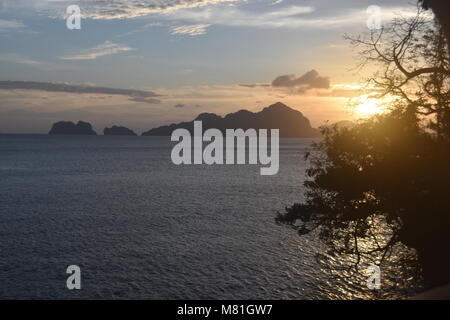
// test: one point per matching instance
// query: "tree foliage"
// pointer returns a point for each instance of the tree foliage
(393, 169)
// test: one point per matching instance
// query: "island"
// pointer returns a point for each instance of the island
(70, 128)
(118, 131)
(292, 123)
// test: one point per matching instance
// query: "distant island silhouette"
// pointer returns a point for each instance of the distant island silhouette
(68, 127)
(118, 131)
(291, 122)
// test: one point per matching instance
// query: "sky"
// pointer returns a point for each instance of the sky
(146, 63)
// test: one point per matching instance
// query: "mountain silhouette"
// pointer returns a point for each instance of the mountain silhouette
(291, 122)
(118, 131)
(68, 127)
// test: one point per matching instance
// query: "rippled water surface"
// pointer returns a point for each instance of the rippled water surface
(141, 227)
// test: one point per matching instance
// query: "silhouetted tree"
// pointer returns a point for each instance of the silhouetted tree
(383, 182)
(441, 9)
(413, 66)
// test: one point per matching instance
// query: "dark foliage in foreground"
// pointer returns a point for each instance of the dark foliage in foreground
(384, 181)
(385, 167)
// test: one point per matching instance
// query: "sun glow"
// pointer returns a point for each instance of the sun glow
(369, 107)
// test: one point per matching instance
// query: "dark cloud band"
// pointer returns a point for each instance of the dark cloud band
(137, 95)
(310, 80)
(301, 85)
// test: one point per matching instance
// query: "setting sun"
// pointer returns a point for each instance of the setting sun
(369, 107)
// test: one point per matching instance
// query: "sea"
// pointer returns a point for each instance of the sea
(140, 227)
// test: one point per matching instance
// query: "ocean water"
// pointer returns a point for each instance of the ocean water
(140, 227)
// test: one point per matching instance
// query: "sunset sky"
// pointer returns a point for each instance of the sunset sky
(145, 63)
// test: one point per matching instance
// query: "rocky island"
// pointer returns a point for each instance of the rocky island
(292, 123)
(68, 127)
(118, 131)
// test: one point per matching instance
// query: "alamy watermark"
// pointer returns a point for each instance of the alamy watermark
(74, 280)
(374, 21)
(73, 21)
(235, 147)
(374, 279)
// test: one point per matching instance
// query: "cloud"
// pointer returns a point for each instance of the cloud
(310, 80)
(10, 25)
(106, 48)
(112, 9)
(274, 14)
(141, 29)
(145, 100)
(136, 95)
(309, 84)
(121, 9)
(262, 85)
(233, 16)
(296, 85)
(277, 2)
(15, 58)
(43, 65)
(191, 30)
(283, 16)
